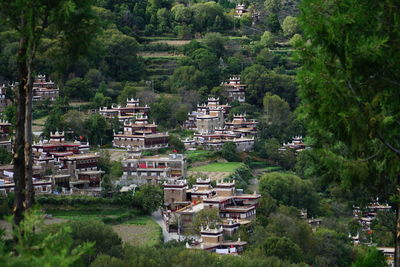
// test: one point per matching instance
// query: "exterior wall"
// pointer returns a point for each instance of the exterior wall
(211, 238)
(172, 195)
(207, 125)
(225, 192)
(128, 141)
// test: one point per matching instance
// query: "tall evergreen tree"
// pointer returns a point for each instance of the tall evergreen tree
(72, 21)
(349, 88)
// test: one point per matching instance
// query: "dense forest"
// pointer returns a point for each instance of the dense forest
(324, 70)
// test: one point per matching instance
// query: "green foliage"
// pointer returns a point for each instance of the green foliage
(5, 156)
(332, 248)
(290, 26)
(176, 144)
(148, 198)
(216, 42)
(348, 97)
(283, 248)
(291, 190)
(384, 228)
(37, 249)
(99, 100)
(105, 240)
(267, 39)
(272, 22)
(272, 6)
(206, 217)
(228, 152)
(260, 81)
(121, 60)
(370, 257)
(168, 112)
(276, 109)
(242, 177)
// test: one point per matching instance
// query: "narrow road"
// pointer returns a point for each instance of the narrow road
(157, 217)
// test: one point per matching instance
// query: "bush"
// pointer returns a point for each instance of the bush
(106, 240)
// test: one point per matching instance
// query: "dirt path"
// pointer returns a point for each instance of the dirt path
(157, 217)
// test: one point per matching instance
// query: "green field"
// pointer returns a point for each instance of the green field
(87, 214)
(218, 167)
(140, 230)
(199, 155)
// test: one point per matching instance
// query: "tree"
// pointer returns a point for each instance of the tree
(129, 91)
(260, 81)
(73, 21)
(35, 249)
(228, 151)
(277, 110)
(105, 240)
(99, 100)
(272, 6)
(175, 143)
(291, 190)
(283, 248)
(148, 198)
(120, 57)
(331, 248)
(216, 42)
(290, 26)
(272, 22)
(371, 257)
(206, 217)
(77, 88)
(267, 40)
(349, 90)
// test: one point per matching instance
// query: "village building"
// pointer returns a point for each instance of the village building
(234, 89)
(367, 214)
(240, 10)
(212, 239)
(240, 126)
(127, 113)
(139, 169)
(234, 207)
(44, 90)
(389, 253)
(297, 144)
(82, 169)
(216, 140)
(212, 115)
(212, 130)
(140, 134)
(57, 147)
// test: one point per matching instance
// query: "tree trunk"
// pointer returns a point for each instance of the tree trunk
(19, 142)
(397, 248)
(30, 193)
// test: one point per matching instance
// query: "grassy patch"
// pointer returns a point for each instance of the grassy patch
(218, 167)
(40, 122)
(141, 231)
(272, 169)
(87, 214)
(199, 155)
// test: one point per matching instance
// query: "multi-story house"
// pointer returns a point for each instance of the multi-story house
(140, 134)
(43, 89)
(234, 89)
(139, 169)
